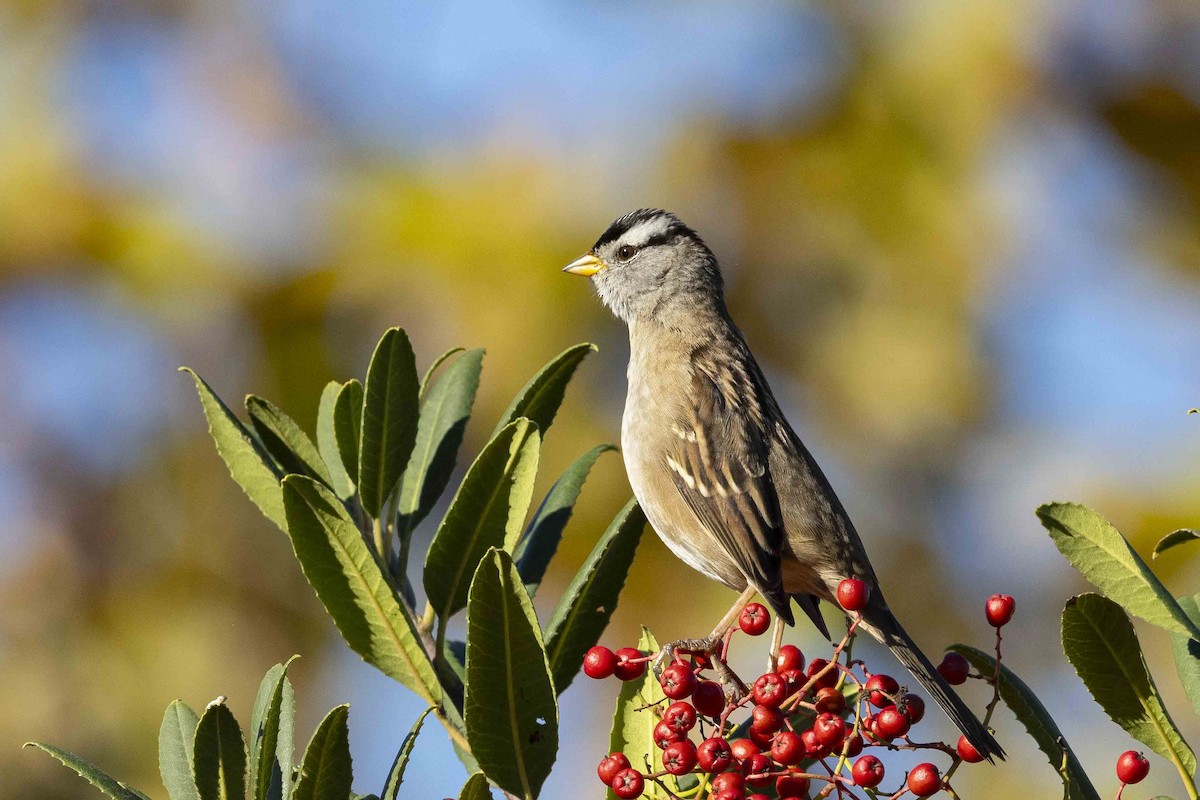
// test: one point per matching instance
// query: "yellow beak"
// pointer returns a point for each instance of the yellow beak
(587, 266)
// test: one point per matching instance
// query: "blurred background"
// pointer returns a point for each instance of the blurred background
(964, 239)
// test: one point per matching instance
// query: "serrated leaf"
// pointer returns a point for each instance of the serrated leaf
(176, 737)
(427, 378)
(476, 788)
(634, 719)
(511, 710)
(249, 464)
(347, 426)
(352, 586)
(589, 601)
(443, 421)
(1101, 644)
(285, 746)
(541, 538)
(287, 443)
(264, 732)
(389, 419)
(1030, 712)
(327, 443)
(487, 511)
(1101, 553)
(1174, 539)
(1187, 653)
(219, 755)
(108, 785)
(326, 771)
(395, 777)
(540, 398)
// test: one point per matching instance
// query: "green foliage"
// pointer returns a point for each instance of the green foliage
(176, 738)
(1030, 712)
(326, 772)
(633, 721)
(1100, 552)
(219, 755)
(1187, 653)
(110, 786)
(1101, 644)
(589, 601)
(511, 708)
(476, 788)
(1174, 539)
(391, 787)
(383, 456)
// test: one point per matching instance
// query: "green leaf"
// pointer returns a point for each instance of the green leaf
(248, 462)
(326, 771)
(347, 426)
(176, 736)
(510, 709)
(352, 586)
(264, 732)
(540, 398)
(541, 538)
(396, 774)
(327, 442)
(285, 746)
(476, 788)
(427, 379)
(1030, 712)
(444, 415)
(285, 440)
(1187, 653)
(588, 604)
(1100, 643)
(487, 511)
(1100, 552)
(110, 786)
(634, 720)
(389, 421)
(219, 755)
(1173, 539)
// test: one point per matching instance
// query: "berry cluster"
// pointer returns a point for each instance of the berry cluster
(802, 725)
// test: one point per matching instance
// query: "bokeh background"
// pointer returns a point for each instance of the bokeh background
(963, 238)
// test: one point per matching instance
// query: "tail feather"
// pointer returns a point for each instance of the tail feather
(888, 631)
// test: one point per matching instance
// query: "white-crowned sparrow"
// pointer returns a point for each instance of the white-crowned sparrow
(723, 478)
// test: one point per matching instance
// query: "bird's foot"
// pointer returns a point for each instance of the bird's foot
(712, 646)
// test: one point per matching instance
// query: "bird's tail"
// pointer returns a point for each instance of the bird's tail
(886, 628)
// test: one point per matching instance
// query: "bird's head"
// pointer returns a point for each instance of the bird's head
(649, 266)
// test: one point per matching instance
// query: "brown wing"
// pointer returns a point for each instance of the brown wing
(720, 468)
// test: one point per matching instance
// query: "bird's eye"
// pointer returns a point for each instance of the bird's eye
(626, 252)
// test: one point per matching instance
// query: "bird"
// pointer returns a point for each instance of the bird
(721, 475)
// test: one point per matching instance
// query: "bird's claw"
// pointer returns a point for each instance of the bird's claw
(734, 689)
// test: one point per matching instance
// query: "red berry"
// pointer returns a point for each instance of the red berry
(681, 716)
(924, 780)
(853, 594)
(999, 609)
(892, 722)
(830, 700)
(664, 735)
(709, 698)
(757, 796)
(914, 707)
(762, 738)
(852, 746)
(867, 772)
(743, 749)
(787, 748)
(829, 679)
(679, 758)
(729, 780)
(757, 764)
(626, 669)
(714, 755)
(730, 794)
(967, 752)
(628, 783)
(678, 681)
(610, 766)
(791, 787)
(599, 662)
(766, 719)
(701, 660)
(755, 619)
(869, 727)
(794, 679)
(830, 730)
(881, 689)
(954, 669)
(812, 746)
(1132, 767)
(789, 657)
(770, 690)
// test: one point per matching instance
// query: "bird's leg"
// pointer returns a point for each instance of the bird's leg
(711, 646)
(776, 641)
